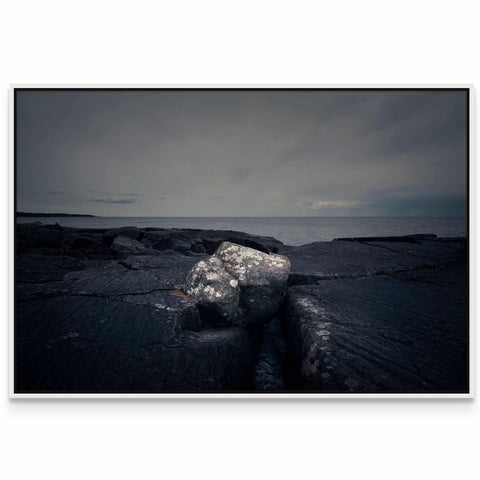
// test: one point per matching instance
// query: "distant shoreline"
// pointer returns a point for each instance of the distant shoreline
(30, 214)
(291, 231)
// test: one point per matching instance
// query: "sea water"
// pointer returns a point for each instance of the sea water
(289, 230)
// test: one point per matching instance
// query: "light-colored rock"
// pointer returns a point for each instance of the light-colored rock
(216, 290)
(262, 278)
(252, 267)
(257, 282)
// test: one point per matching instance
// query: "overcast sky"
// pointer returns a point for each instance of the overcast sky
(242, 153)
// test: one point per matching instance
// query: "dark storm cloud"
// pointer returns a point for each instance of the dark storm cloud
(259, 152)
(422, 122)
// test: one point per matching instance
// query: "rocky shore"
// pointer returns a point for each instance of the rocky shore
(165, 310)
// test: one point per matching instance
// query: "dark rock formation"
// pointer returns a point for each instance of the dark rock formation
(269, 373)
(400, 328)
(102, 310)
(126, 343)
(129, 232)
(165, 243)
(344, 259)
(33, 268)
(206, 241)
(174, 266)
(111, 328)
(127, 246)
(31, 236)
(90, 246)
(417, 238)
(198, 246)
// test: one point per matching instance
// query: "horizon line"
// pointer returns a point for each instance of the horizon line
(242, 216)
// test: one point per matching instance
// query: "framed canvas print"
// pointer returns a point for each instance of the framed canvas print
(240, 241)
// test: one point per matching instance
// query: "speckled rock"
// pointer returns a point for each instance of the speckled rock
(217, 292)
(262, 279)
(239, 285)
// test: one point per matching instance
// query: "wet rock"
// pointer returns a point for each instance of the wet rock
(380, 334)
(217, 292)
(262, 279)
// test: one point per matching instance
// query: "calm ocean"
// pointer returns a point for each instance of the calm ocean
(289, 230)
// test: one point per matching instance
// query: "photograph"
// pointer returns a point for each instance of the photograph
(241, 241)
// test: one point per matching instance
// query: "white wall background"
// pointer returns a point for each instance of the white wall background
(158, 42)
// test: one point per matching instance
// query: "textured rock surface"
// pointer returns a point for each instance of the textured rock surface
(239, 285)
(127, 246)
(33, 268)
(269, 373)
(129, 232)
(373, 314)
(216, 290)
(114, 329)
(381, 333)
(87, 322)
(31, 236)
(262, 278)
(126, 343)
(177, 265)
(205, 241)
(318, 261)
